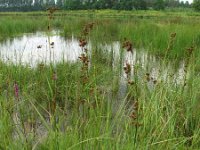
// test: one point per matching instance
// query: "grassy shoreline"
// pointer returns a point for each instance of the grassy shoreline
(106, 12)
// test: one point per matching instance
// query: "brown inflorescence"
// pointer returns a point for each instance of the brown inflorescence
(190, 50)
(130, 82)
(84, 59)
(16, 90)
(82, 43)
(54, 76)
(171, 41)
(87, 28)
(51, 11)
(173, 35)
(127, 68)
(128, 46)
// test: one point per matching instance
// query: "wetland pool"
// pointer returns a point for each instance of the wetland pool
(40, 47)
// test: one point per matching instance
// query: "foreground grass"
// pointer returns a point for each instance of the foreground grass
(94, 115)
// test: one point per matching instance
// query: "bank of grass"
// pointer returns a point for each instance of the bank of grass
(65, 113)
(17, 25)
(112, 13)
(151, 34)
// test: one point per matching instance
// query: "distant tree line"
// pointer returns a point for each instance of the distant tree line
(32, 5)
(196, 5)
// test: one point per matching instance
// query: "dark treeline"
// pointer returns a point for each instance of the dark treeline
(32, 5)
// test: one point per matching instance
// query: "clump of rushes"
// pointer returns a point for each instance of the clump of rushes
(170, 43)
(127, 68)
(189, 52)
(134, 115)
(83, 42)
(53, 102)
(87, 28)
(85, 60)
(16, 90)
(128, 46)
(51, 11)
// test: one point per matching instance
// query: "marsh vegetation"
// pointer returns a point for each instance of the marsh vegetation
(130, 80)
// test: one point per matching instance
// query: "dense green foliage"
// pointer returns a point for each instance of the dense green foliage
(196, 5)
(31, 5)
(159, 5)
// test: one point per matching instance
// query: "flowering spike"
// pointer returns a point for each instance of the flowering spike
(16, 89)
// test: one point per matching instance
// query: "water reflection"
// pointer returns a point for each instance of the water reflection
(38, 47)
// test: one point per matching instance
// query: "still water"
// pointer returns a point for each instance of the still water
(34, 48)
(39, 47)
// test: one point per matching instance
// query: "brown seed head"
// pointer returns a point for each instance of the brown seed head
(130, 82)
(82, 42)
(127, 68)
(128, 46)
(190, 50)
(173, 35)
